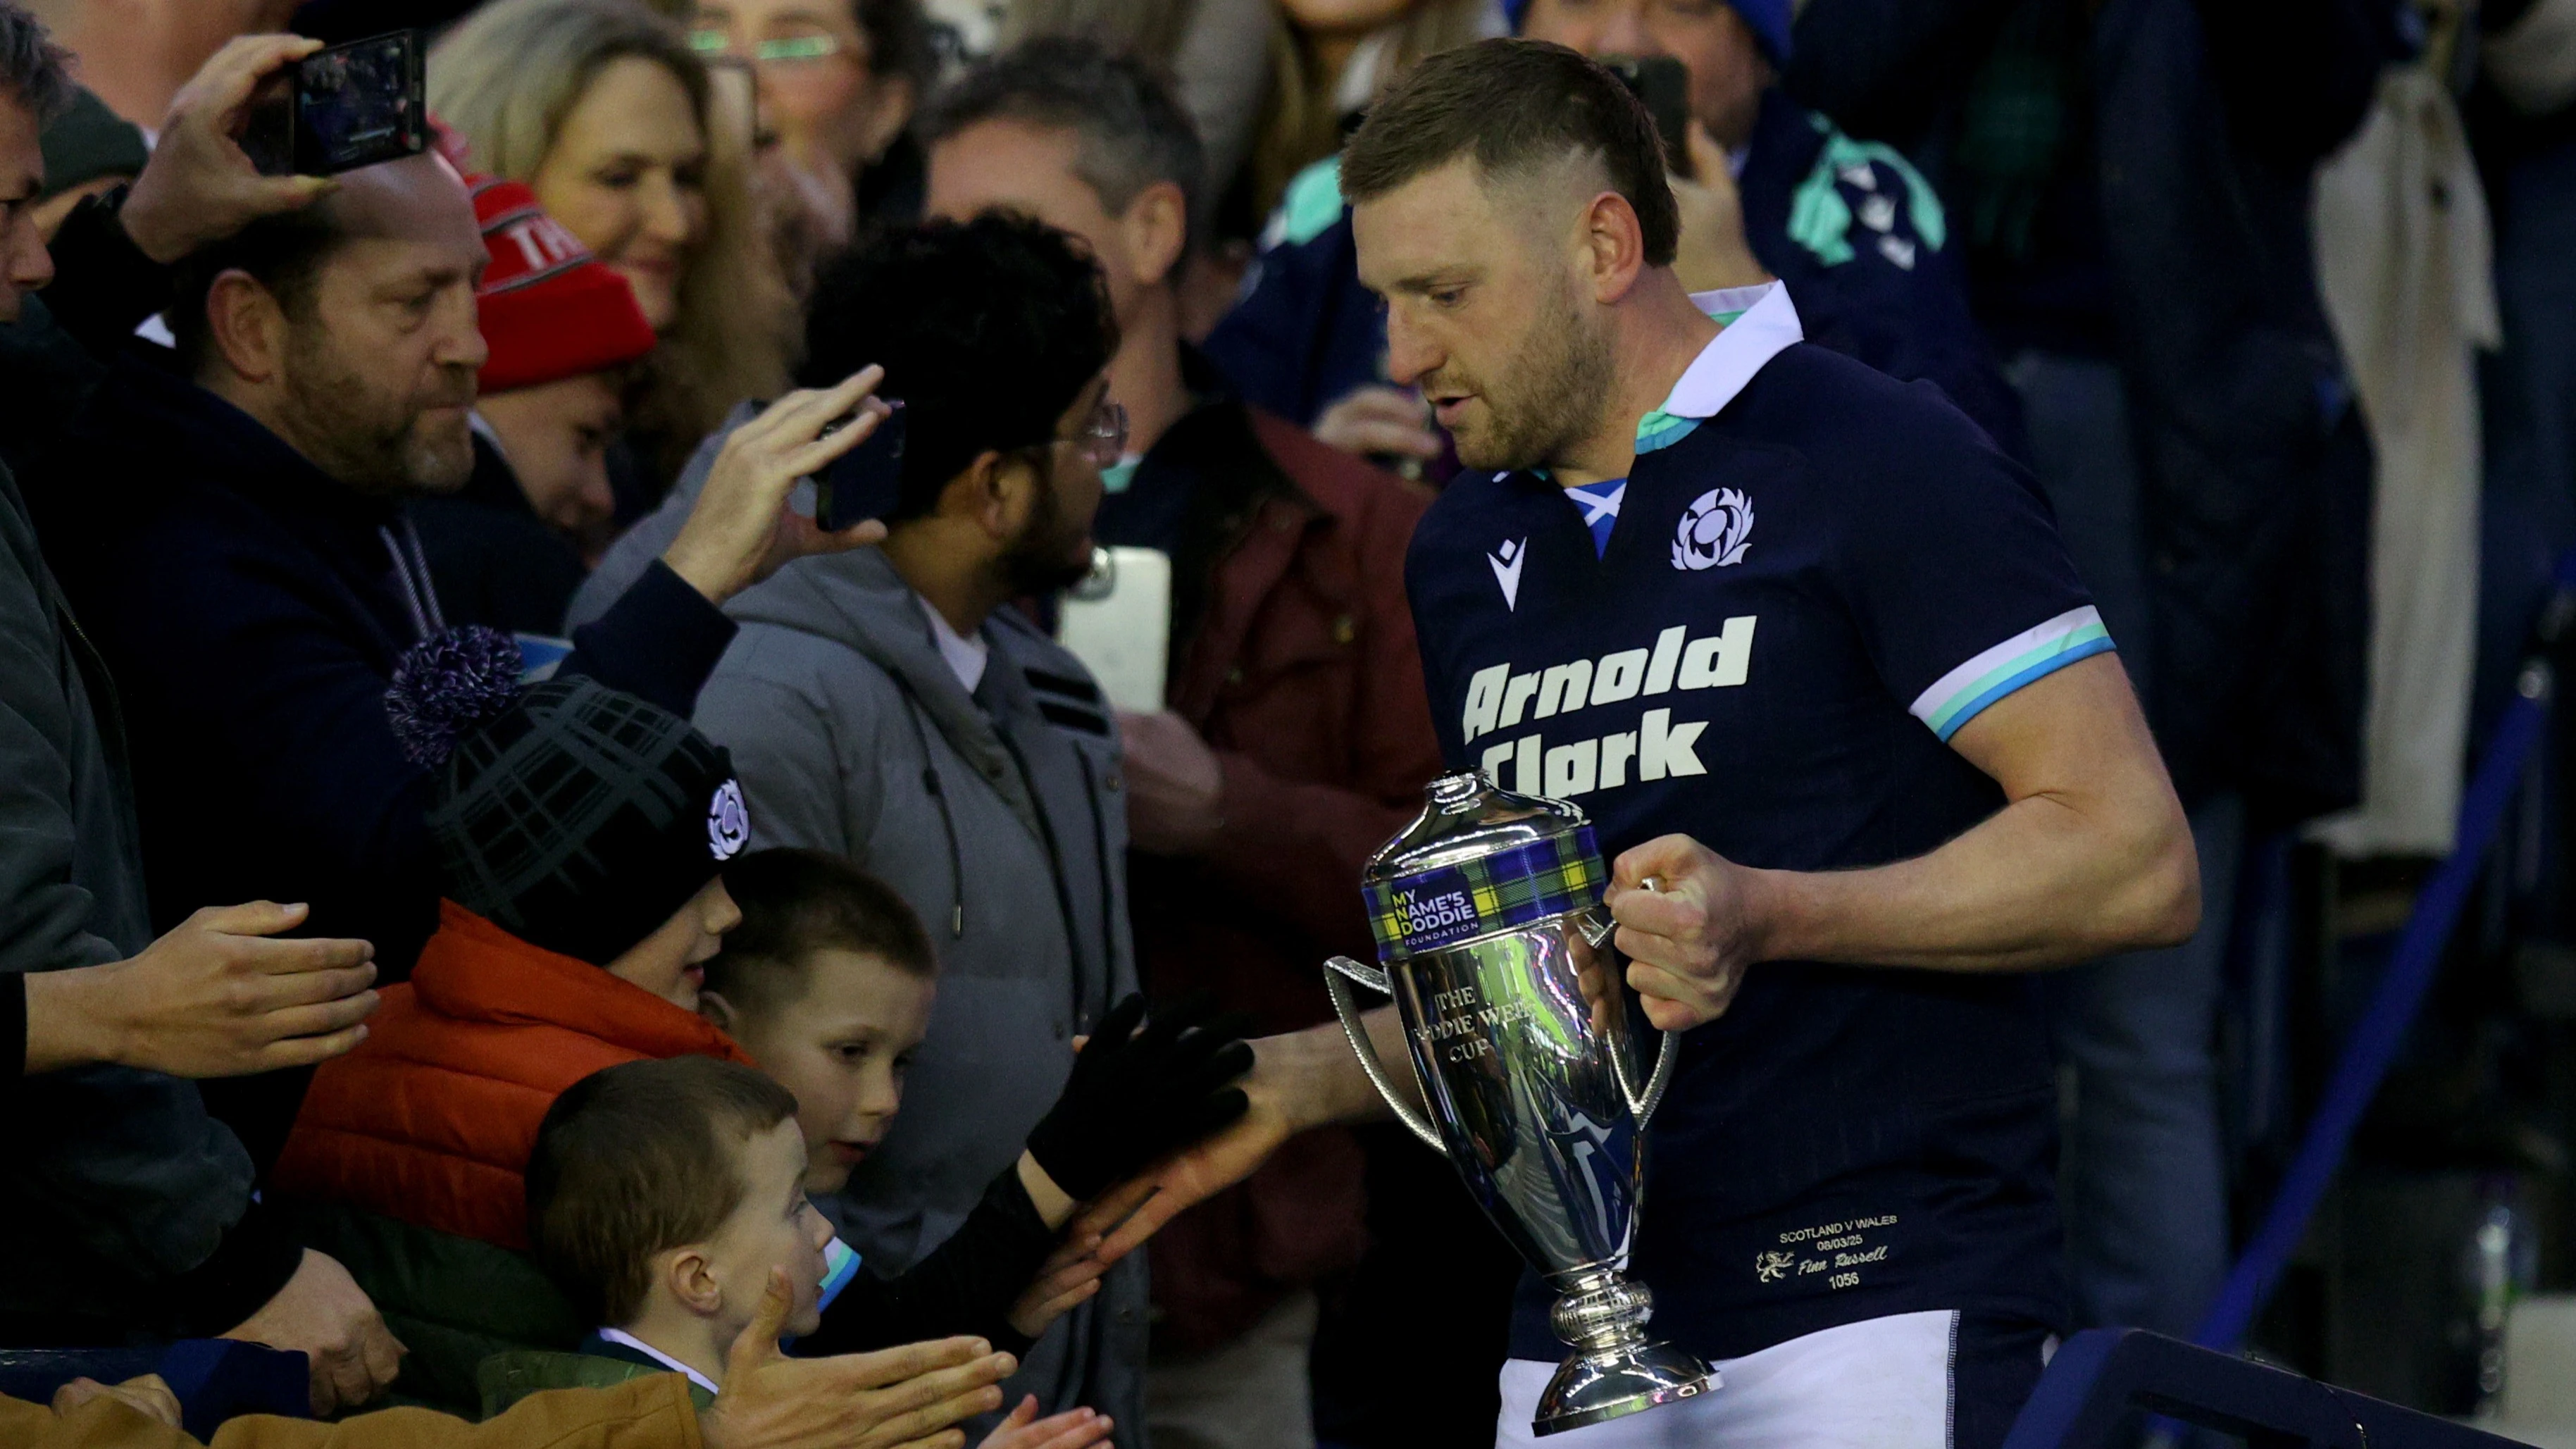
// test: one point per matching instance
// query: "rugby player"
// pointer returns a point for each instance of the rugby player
(1807, 648)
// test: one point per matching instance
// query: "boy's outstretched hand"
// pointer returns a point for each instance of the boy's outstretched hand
(1136, 1096)
(1072, 1429)
(902, 1398)
(1070, 1276)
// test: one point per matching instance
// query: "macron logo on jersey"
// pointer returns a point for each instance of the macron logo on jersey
(1507, 562)
(1659, 748)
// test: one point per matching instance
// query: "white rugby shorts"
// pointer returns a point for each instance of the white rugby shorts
(1881, 1383)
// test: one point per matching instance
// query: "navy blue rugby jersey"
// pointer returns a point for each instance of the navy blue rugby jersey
(1816, 575)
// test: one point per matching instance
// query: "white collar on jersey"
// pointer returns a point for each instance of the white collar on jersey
(1763, 322)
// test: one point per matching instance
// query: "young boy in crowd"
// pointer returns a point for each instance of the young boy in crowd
(564, 332)
(580, 833)
(828, 982)
(666, 1197)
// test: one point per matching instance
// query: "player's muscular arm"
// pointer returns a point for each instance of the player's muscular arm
(2091, 855)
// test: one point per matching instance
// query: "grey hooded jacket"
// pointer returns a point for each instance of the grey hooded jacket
(999, 817)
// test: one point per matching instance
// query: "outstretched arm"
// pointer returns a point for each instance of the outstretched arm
(1299, 1080)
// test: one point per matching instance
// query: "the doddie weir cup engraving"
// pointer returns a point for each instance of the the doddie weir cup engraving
(1487, 910)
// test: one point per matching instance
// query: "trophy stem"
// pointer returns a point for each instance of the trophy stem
(1616, 1369)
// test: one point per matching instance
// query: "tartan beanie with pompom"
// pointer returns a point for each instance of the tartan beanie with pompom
(576, 818)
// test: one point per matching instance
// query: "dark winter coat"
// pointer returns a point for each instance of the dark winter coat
(253, 610)
(139, 1201)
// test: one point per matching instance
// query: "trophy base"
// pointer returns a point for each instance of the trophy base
(1594, 1388)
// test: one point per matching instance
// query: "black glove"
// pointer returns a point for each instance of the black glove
(1138, 1096)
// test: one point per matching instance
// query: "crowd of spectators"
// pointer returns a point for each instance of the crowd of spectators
(430, 547)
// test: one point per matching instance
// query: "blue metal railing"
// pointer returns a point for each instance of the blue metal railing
(2101, 1378)
(2372, 1047)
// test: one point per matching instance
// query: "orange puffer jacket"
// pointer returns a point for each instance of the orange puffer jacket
(432, 1118)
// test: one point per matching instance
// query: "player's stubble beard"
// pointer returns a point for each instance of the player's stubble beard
(1549, 396)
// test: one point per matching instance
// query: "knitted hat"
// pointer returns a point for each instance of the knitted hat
(550, 310)
(89, 141)
(572, 816)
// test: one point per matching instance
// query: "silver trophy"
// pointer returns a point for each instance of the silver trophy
(1487, 910)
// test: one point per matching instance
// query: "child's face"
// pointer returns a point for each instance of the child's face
(671, 963)
(772, 1227)
(843, 1049)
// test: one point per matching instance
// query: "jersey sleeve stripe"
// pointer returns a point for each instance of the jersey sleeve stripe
(1960, 695)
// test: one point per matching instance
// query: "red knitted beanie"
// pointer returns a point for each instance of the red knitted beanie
(549, 309)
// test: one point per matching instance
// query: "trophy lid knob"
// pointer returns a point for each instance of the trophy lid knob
(1466, 816)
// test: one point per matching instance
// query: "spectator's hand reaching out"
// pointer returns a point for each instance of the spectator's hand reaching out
(1136, 1095)
(1070, 1277)
(216, 997)
(901, 1398)
(200, 186)
(1713, 251)
(742, 530)
(1072, 1429)
(323, 1314)
(149, 1396)
(1298, 1081)
(1379, 421)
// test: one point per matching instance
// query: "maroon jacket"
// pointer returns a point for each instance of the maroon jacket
(1293, 656)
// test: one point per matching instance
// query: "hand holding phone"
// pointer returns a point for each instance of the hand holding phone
(742, 530)
(865, 482)
(345, 107)
(201, 184)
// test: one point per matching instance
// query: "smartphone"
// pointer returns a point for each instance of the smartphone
(1663, 83)
(352, 105)
(866, 481)
(1118, 622)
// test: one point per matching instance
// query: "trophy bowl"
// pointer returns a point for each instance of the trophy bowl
(1496, 950)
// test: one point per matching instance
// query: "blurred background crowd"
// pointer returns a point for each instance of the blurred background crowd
(2275, 301)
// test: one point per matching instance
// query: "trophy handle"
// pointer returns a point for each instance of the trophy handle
(1339, 972)
(1597, 927)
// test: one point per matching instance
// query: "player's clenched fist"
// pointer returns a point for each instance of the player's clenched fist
(1685, 919)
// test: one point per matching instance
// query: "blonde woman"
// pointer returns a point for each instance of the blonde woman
(601, 107)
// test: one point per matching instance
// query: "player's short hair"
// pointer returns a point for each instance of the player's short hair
(797, 902)
(1132, 129)
(637, 1158)
(1515, 106)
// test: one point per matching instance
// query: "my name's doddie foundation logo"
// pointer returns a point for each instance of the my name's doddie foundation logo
(1444, 905)
(1432, 915)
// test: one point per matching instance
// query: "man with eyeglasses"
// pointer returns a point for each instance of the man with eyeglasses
(895, 709)
(1295, 737)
